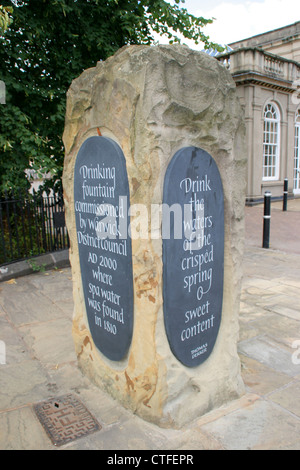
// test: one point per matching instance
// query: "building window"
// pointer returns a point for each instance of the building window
(271, 142)
(297, 154)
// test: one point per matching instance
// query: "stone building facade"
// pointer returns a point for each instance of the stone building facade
(266, 69)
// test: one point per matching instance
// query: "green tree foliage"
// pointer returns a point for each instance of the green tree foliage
(47, 45)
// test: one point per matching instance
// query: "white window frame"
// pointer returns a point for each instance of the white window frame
(296, 177)
(271, 142)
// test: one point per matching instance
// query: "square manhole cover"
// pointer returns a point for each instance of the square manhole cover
(65, 419)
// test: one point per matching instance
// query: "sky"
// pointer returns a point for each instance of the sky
(240, 19)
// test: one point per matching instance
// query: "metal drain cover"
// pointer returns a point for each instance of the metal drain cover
(65, 419)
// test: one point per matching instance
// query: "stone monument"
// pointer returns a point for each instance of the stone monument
(154, 187)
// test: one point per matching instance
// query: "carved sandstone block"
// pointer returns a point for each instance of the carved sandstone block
(153, 102)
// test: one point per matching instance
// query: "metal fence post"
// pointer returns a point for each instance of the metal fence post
(285, 194)
(267, 219)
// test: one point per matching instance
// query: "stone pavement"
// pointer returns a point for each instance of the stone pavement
(284, 226)
(37, 359)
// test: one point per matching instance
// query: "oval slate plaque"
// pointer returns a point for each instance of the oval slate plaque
(101, 197)
(193, 255)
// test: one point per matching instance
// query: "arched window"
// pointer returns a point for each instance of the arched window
(297, 154)
(271, 142)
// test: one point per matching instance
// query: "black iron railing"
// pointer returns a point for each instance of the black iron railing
(31, 225)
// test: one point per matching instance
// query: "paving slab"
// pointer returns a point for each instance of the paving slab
(288, 397)
(262, 379)
(282, 331)
(20, 429)
(22, 383)
(30, 308)
(260, 426)
(49, 341)
(265, 351)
